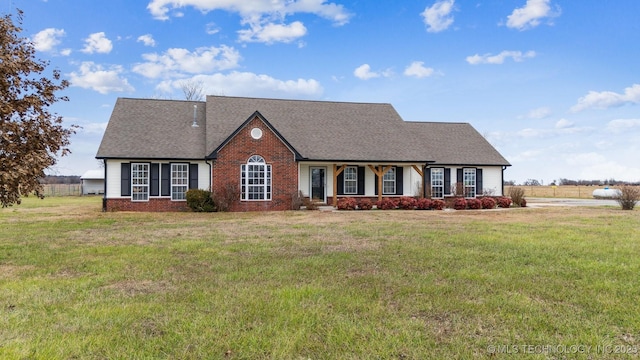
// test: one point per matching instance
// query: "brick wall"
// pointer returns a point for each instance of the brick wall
(157, 205)
(284, 169)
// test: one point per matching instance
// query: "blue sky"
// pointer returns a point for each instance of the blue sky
(553, 85)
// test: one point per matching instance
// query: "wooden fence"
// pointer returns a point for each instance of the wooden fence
(563, 191)
(62, 189)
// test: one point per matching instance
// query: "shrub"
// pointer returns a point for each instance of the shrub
(347, 204)
(488, 203)
(517, 195)
(200, 200)
(226, 196)
(365, 204)
(504, 202)
(386, 204)
(474, 204)
(459, 204)
(437, 204)
(407, 203)
(523, 202)
(628, 197)
(309, 204)
(423, 204)
(297, 199)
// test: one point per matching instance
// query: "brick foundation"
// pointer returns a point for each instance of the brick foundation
(153, 205)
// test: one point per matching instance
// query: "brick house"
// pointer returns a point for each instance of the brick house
(268, 150)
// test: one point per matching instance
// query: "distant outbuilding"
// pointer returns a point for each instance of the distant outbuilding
(93, 182)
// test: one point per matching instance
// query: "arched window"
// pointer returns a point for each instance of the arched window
(255, 179)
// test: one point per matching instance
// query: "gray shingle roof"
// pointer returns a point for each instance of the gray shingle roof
(152, 129)
(317, 130)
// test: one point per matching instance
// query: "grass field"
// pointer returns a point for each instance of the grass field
(76, 283)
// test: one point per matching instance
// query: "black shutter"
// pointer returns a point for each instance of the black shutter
(399, 182)
(375, 183)
(340, 181)
(478, 181)
(155, 180)
(360, 180)
(193, 176)
(125, 179)
(426, 189)
(459, 177)
(447, 181)
(165, 180)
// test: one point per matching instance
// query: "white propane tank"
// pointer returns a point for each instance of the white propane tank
(606, 193)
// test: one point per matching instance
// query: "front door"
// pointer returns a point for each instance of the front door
(318, 184)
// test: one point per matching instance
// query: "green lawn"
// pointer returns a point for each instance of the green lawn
(76, 283)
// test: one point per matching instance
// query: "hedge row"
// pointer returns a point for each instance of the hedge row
(410, 203)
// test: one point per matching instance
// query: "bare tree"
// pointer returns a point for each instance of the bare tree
(30, 136)
(193, 90)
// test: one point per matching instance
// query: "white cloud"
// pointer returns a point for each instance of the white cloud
(262, 16)
(364, 72)
(564, 124)
(607, 99)
(98, 43)
(517, 56)
(530, 15)
(602, 166)
(539, 113)
(270, 33)
(417, 69)
(176, 61)
(47, 39)
(255, 8)
(623, 125)
(94, 128)
(212, 28)
(561, 127)
(95, 77)
(438, 16)
(147, 40)
(249, 84)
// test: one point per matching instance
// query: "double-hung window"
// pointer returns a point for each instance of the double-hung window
(255, 179)
(139, 182)
(179, 181)
(350, 180)
(469, 181)
(389, 181)
(437, 183)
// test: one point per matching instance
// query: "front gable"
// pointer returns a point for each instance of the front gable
(257, 125)
(256, 138)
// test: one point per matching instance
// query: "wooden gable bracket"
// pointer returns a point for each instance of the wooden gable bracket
(336, 171)
(418, 170)
(380, 171)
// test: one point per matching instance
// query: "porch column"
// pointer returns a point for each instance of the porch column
(336, 171)
(380, 171)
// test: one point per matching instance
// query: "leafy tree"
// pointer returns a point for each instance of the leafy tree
(30, 136)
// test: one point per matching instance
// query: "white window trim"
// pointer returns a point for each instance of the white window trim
(354, 180)
(145, 186)
(471, 184)
(437, 186)
(390, 171)
(256, 160)
(172, 179)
